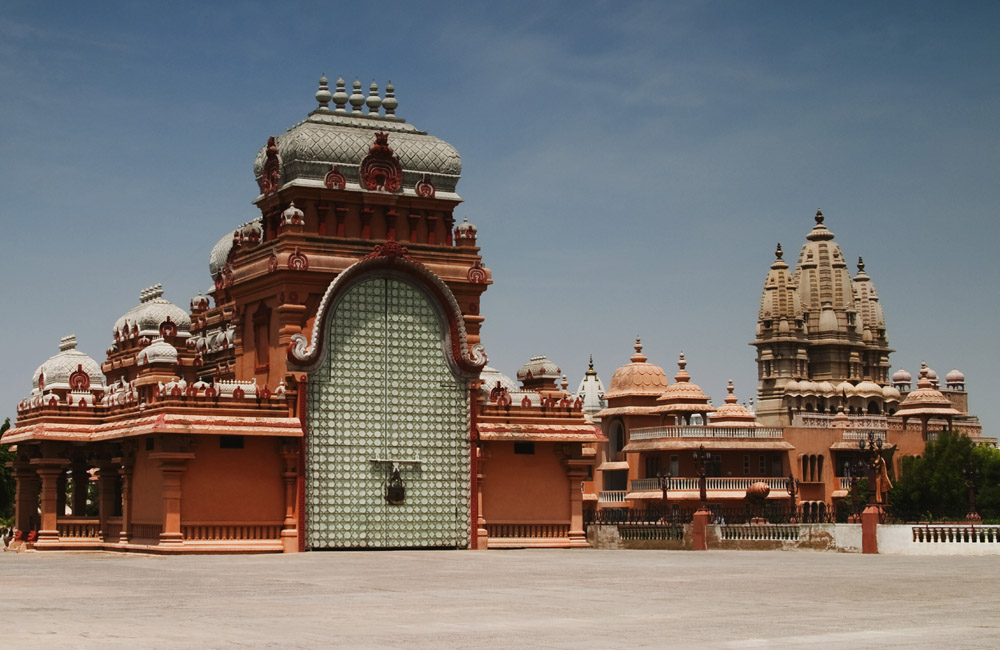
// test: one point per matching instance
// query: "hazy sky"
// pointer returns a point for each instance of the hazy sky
(630, 166)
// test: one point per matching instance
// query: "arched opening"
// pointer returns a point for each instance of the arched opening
(874, 408)
(617, 441)
(385, 403)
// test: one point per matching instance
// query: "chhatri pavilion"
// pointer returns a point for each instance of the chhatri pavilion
(330, 391)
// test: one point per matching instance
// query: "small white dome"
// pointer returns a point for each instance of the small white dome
(153, 311)
(489, 378)
(61, 370)
(159, 351)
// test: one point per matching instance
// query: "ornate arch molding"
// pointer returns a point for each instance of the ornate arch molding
(391, 260)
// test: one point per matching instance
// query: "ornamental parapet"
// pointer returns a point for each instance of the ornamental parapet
(730, 433)
(823, 421)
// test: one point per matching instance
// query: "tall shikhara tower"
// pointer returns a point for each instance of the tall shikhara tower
(821, 336)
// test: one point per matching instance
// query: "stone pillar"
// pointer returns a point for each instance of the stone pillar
(290, 476)
(51, 471)
(107, 480)
(576, 471)
(81, 477)
(172, 466)
(61, 494)
(869, 529)
(25, 497)
(482, 541)
(125, 468)
(699, 529)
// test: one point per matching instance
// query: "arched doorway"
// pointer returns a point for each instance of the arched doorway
(385, 398)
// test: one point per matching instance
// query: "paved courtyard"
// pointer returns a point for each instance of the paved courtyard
(511, 599)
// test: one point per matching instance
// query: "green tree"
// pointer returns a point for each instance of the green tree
(934, 485)
(6, 478)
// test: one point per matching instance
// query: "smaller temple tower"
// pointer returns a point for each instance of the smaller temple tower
(821, 336)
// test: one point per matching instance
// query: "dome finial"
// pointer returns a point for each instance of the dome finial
(390, 103)
(340, 97)
(778, 252)
(357, 99)
(731, 397)
(67, 342)
(591, 365)
(374, 101)
(323, 95)
(819, 216)
(861, 264)
(638, 357)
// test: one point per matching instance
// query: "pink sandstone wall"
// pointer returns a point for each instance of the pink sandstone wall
(234, 485)
(147, 484)
(525, 488)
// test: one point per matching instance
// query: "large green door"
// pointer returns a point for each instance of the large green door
(385, 397)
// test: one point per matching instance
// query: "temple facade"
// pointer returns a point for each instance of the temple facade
(326, 393)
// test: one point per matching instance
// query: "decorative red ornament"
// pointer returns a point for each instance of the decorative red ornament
(425, 187)
(272, 263)
(525, 403)
(297, 261)
(476, 274)
(497, 392)
(79, 380)
(334, 179)
(381, 169)
(168, 328)
(271, 175)
(41, 381)
(238, 393)
(391, 249)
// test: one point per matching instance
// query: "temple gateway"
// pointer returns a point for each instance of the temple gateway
(330, 390)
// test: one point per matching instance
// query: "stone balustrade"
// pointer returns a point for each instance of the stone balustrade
(545, 530)
(235, 531)
(957, 534)
(713, 483)
(710, 432)
(612, 496)
(78, 527)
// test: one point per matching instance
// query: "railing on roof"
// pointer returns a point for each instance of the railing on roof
(730, 433)
(713, 483)
(824, 421)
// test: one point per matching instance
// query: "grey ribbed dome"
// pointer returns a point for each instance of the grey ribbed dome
(338, 137)
(152, 311)
(56, 372)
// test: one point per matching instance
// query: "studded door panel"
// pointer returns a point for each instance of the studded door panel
(386, 393)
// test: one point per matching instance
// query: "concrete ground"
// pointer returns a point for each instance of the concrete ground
(510, 599)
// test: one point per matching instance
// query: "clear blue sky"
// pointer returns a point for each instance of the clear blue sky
(630, 165)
